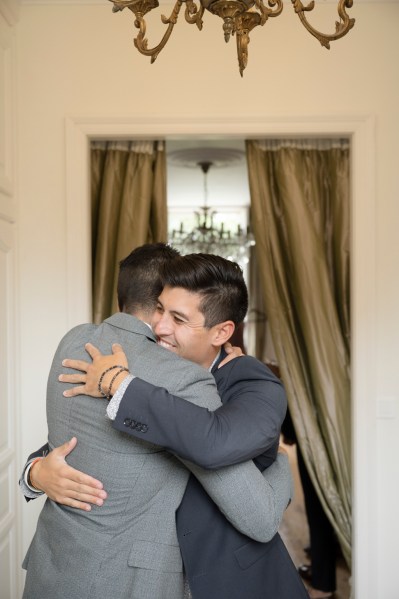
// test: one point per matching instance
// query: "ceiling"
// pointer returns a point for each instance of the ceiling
(227, 179)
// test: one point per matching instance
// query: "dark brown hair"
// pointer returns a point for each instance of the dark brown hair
(139, 281)
(219, 281)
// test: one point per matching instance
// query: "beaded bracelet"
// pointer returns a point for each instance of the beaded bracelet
(109, 394)
(102, 376)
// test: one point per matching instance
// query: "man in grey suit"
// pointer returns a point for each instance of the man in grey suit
(128, 548)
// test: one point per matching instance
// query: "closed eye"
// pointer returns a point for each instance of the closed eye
(178, 320)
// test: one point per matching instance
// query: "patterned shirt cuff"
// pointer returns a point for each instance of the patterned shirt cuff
(113, 406)
(26, 489)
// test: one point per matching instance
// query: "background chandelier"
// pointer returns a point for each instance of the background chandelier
(207, 238)
(239, 18)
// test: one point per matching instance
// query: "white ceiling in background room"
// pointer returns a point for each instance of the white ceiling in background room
(227, 178)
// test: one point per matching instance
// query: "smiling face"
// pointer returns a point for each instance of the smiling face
(179, 326)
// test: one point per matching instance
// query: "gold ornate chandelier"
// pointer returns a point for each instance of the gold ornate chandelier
(239, 18)
(208, 238)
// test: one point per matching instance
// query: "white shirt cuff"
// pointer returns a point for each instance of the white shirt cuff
(26, 488)
(113, 406)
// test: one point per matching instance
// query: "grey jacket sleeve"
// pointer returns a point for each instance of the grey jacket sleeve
(252, 501)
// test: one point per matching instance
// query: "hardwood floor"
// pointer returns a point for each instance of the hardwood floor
(294, 531)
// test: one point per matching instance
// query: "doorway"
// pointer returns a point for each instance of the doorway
(361, 132)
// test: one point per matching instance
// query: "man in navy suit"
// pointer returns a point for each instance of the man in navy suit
(204, 298)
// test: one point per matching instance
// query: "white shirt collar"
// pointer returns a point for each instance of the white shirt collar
(214, 361)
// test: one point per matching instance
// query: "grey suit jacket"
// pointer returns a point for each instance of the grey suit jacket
(128, 548)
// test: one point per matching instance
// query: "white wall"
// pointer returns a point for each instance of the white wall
(78, 62)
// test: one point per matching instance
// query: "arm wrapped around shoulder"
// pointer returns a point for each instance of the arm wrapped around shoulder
(252, 501)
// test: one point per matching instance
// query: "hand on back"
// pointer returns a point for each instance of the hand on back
(102, 365)
(64, 484)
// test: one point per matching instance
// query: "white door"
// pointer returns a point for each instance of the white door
(8, 442)
(10, 569)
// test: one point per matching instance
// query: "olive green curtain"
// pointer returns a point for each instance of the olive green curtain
(256, 321)
(300, 201)
(128, 191)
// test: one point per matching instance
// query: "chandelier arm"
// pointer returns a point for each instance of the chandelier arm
(341, 27)
(141, 42)
(193, 15)
(265, 12)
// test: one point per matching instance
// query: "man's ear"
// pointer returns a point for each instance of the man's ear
(223, 332)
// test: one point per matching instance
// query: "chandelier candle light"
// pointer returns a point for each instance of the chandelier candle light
(207, 238)
(239, 18)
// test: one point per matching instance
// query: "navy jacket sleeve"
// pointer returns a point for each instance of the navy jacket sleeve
(248, 423)
(43, 451)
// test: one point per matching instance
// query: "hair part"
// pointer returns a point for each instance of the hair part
(219, 282)
(139, 280)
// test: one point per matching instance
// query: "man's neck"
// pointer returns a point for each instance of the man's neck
(143, 316)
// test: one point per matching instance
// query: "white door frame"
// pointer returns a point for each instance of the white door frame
(361, 131)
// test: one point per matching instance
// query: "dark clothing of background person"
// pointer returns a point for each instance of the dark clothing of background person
(323, 543)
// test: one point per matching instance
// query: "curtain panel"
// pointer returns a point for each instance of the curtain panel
(128, 193)
(256, 321)
(300, 203)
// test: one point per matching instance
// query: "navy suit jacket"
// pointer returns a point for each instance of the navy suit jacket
(220, 562)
